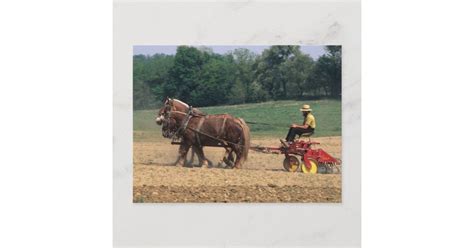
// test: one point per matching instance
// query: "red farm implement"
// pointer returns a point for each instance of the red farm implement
(314, 160)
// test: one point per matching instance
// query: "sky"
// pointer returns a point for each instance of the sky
(313, 51)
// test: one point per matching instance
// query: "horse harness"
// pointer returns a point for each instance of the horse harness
(190, 115)
(201, 121)
(184, 126)
(219, 136)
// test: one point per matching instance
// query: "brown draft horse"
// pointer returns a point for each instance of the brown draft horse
(196, 129)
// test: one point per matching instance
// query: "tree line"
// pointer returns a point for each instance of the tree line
(201, 77)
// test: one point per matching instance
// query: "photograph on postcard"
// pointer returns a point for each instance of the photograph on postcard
(237, 123)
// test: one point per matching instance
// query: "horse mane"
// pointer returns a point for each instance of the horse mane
(195, 110)
(185, 104)
(177, 112)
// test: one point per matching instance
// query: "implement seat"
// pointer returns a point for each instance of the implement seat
(307, 135)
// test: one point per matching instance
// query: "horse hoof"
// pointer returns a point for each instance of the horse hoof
(179, 164)
(205, 165)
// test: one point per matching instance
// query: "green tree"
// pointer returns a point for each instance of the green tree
(257, 93)
(326, 73)
(244, 60)
(149, 75)
(185, 74)
(238, 93)
(270, 70)
(297, 71)
(202, 78)
(143, 97)
(216, 79)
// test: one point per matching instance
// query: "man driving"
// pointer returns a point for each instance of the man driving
(309, 124)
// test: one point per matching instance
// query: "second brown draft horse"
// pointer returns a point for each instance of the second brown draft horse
(196, 129)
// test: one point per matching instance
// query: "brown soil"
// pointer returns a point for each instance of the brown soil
(263, 179)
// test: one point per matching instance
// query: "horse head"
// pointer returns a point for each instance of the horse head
(172, 123)
(164, 111)
(162, 114)
(169, 128)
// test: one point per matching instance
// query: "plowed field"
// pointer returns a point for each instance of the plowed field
(262, 179)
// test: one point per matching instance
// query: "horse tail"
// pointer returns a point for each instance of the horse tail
(245, 139)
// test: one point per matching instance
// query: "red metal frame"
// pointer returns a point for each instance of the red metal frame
(305, 150)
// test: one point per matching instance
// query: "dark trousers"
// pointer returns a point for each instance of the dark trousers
(297, 131)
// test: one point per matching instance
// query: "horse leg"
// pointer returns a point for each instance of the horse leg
(224, 161)
(229, 158)
(201, 157)
(238, 164)
(191, 160)
(183, 150)
(238, 157)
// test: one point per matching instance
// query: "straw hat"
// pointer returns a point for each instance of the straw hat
(306, 108)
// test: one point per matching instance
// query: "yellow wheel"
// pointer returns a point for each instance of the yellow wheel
(313, 167)
(291, 163)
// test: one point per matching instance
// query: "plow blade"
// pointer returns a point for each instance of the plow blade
(324, 157)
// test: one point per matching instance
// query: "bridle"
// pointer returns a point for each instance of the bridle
(161, 118)
(168, 132)
(184, 125)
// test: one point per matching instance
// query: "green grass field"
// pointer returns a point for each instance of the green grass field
(280, 114)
